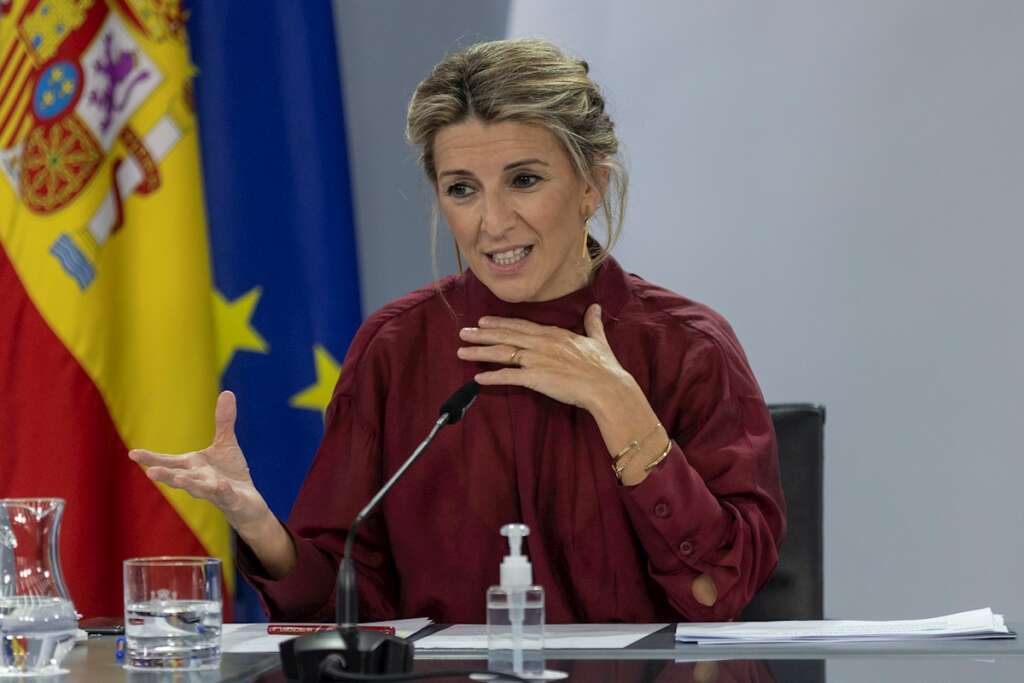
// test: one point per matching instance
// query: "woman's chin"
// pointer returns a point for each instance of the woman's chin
(511, 294)
(511, 287)
(523, 287)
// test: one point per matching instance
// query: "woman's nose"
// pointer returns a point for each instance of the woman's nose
(497, 215)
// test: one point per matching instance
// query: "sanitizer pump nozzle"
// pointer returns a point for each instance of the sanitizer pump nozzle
(516, 569)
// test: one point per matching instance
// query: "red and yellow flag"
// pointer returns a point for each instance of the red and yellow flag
(106, 323)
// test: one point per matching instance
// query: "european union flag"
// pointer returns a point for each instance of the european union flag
(282, 237)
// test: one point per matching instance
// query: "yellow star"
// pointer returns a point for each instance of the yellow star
(318, 395)
(234, 329)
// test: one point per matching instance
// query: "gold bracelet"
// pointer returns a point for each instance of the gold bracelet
(619, 460)
(618, 468)
(664, 454)
(634, 444)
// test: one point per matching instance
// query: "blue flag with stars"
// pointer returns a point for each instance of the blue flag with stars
(279, 208)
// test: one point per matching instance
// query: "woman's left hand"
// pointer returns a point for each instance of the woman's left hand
(575, 369)
(568, 367)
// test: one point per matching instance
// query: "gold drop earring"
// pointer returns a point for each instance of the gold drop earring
(586, 240)
(458, 256)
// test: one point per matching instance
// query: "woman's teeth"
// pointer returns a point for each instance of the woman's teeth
(507, 258)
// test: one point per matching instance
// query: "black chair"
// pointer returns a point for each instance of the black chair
(796, 589)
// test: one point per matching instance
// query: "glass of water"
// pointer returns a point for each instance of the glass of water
(172, 613)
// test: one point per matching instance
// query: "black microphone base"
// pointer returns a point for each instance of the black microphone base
(352, 650)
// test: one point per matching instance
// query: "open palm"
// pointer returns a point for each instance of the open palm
(218, 473)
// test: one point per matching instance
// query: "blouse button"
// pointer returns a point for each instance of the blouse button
(686, 548)
(662, 510)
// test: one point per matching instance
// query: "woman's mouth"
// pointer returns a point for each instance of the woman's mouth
(510, 259)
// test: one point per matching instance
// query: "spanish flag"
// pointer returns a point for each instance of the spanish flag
(107, 338)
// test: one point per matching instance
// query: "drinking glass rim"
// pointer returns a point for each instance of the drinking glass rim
(171, 561)
(29, 500)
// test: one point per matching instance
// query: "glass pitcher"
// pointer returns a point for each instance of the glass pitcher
(37, 619)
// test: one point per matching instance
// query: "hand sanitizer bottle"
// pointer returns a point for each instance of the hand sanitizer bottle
(515, 613)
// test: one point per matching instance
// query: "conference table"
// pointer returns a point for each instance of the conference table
(655, 658)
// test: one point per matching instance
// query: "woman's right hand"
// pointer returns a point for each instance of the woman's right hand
(218, 473)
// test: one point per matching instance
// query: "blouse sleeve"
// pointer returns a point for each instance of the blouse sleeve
(345, 473)
(715, 505)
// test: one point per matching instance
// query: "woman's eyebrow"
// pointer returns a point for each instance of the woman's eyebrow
(455, 171)
(509, 167)
(525, 162)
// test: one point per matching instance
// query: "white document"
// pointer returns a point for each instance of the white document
(556, 636)
(981, 623)
(254, 637)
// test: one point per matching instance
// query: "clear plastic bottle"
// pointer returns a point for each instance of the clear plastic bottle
(515, 613)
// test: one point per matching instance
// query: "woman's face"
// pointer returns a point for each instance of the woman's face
(516, 207)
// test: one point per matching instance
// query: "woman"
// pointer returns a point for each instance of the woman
(620, 421)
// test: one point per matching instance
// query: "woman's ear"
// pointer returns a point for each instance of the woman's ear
(593, 193)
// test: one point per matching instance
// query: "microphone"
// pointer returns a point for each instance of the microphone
(456, 406)
(348, 648)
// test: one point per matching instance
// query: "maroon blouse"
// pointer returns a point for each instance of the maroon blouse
(603, 552)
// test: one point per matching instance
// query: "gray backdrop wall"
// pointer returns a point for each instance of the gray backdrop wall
(843, 181)
(386, 47)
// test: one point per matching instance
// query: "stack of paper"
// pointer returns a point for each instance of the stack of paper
(556, 636)
(980, 623)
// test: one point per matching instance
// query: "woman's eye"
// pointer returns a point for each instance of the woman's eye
(524, 180)
(459, 190)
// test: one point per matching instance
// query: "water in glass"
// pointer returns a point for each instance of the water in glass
(173, 633)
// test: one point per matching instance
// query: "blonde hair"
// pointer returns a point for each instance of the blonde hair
(528, 81)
